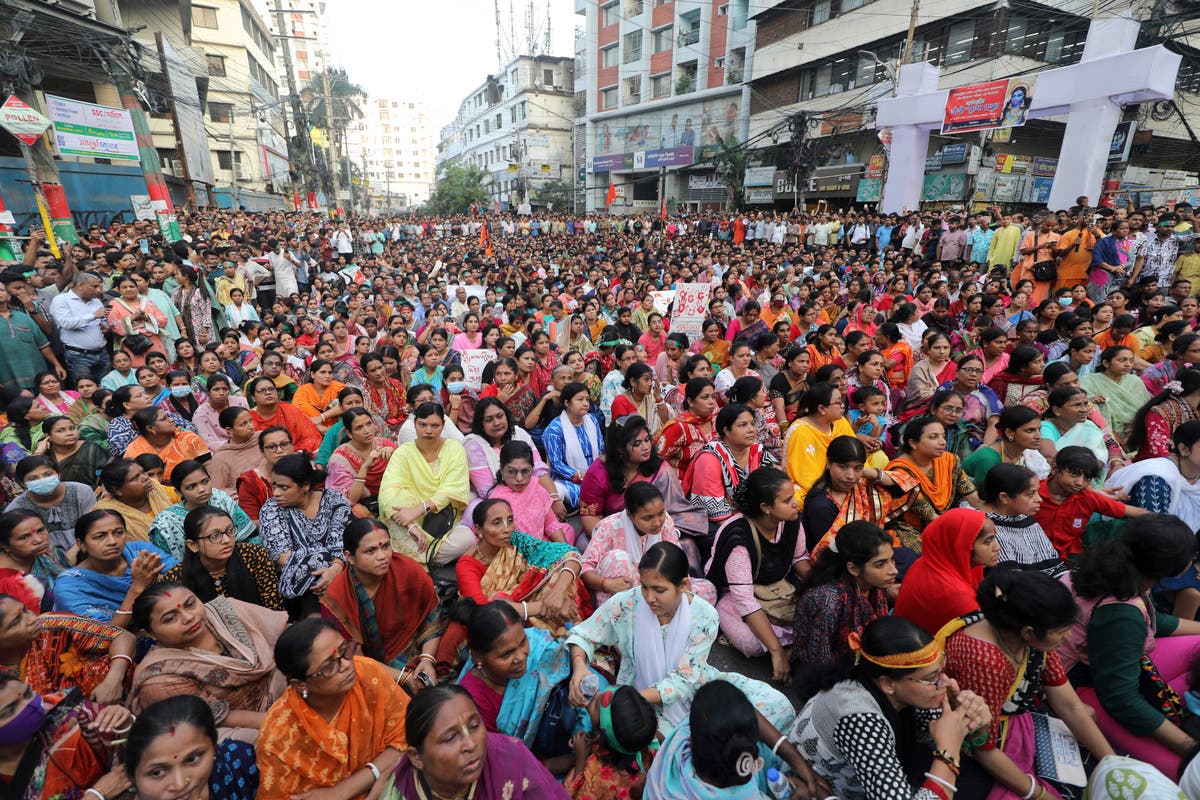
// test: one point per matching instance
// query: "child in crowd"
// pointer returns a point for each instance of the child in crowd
(1068, 501)
(870, 406)
(610, 763)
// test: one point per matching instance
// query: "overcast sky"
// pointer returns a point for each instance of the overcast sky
(435, 50)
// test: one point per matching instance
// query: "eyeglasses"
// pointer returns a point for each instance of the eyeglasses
(971, 370)
(953, 411)
(219, 536)
(935, 682)
(334, 662)
(277, 447)
(513, 472)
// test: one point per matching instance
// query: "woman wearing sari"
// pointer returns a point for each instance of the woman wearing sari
(1022, 375)
(788, 387)
(897, 357)
(386, 602)
(531, 574)
(682, 438)
(269, 411)
(863, 318)
(942, 484)
(572, 441)
(1185, 351)
(356, 468)
(1005, 654)
(740, 359)
(712, 344)
(191, 481)
(809, 437)
(55, 652)
(338, 726)
(981, 406)
(424, 491)
(491, 428)
(1152, 428)
(317, 399)
(219, 651)
(383, 396)
(932, 371)
(207, 418)
(499, 767)
(663, 633)
(134, 495)
(748, 325)
(78, 460)
(511, 385)
(131, 315)
(58, 748)
(722, 464)
(1067, 424)
(1123, 392)
(824, 348)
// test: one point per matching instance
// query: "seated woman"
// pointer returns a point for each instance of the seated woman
(642, 396)
(254, 485)
(78, 460)
(629, 457)
(208, 415)
(788, 387)
(340, 723)
(317, 398)
(620, 540)
(491, 428)
(215, 564)
(532, 506)
(238, 454)
(445, 732)
(1022, 375)
(1004, 652)
(941, 584)
(195, 489)
(350, 397)
(133, 494)
(59, 652)
(158, 434)
(572, 441)
(539, 578)
(1135, 689)
(28, 564)
(758, 557)
(424, 490)
(1020, 431)
(1123, 392)
(942, 484)
(682, 438)
(23, 433)
(724, 463)
(111, 572)
(269, 411)
(752, 392)
(174, 742)
(1011, 497)
(865, 725)
(356, 467)
(1067, 424)
(1150, 437)
(386, 602)
(57, 503)
(708, 754)
(849, 491)
(663, 633)
(301, 527)
(58, 749)
(219, 651)
(823, 419)
(511, 673)
(849, 588)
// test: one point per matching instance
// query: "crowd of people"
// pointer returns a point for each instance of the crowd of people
(297, 507)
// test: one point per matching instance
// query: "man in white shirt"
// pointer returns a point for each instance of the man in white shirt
(284, 267)
(78, 314)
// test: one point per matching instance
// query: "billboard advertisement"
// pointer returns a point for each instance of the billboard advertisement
(86, 129)
(984, 106)
(691, 125)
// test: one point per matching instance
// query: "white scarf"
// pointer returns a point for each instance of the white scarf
(654, 657)
(575, 456)
(635, 545)
(492, 453)
(1185, 497)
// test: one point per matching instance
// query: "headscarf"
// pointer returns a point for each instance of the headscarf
(941, 584)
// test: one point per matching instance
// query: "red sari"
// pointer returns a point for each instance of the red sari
(941, 584)
(682, 438)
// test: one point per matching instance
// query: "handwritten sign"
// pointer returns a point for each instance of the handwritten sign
(473, 362)
(691, 307)
(662, 300)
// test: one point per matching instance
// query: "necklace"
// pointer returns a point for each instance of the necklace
(1015, 658)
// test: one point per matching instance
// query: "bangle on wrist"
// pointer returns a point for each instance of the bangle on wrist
(121, 656)
(950, 761)
(775, 749)
(374, 770)
(945, 784)
(1033, 785)
(96, 792)
(122, 612)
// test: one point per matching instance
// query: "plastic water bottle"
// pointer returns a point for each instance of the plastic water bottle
(589, 686)
(777, 785)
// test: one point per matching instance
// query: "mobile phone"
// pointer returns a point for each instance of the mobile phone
(145, 245)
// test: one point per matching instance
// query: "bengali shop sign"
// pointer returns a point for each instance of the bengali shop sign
(984, 106)
(85, 129)
(691, 307)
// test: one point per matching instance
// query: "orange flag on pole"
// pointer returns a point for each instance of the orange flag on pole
(612, 194)
(485, 239)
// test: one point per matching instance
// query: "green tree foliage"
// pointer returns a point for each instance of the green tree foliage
(457, 187)
(557, 194)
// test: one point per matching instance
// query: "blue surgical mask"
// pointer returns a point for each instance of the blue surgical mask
(456, 387)
(43, 486)
(1064, 301)
(181, 391)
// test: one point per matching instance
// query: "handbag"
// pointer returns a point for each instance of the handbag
(778, 601)
(559, 718)
(137, 343)
(1045, 270)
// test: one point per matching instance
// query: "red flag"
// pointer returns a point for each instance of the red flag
(662, 209)
(612, 194)
(485, 239)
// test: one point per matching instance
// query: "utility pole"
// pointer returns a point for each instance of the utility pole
(388, 180)
(303, 145)
(912, 32)
(233, 162)
(179, 148)
(330, 139)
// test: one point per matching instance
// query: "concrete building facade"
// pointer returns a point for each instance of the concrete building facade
(392, 146)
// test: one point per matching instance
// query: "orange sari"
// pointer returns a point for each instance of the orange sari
(934, 497)
(299, 751)
(312, 402)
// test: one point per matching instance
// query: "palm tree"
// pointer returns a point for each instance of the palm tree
(332, 102)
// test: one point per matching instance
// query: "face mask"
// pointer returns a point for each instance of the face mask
(181, 391)
(456, 387)
(24, 725)
(1064, 301)
(43, 486)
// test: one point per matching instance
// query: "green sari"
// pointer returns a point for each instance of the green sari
(1121, 399)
